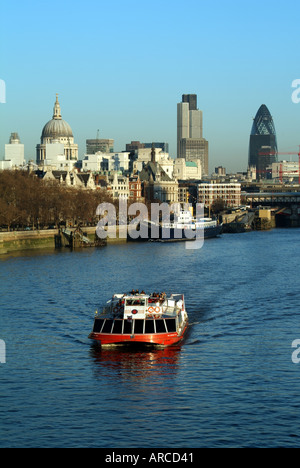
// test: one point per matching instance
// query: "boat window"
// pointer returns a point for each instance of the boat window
(171, 325)
(149, 326)
(98, 325)
(117, 326)
(139, 326)
(127, 327)
(107, 326)
(135, 302)
(160, 326)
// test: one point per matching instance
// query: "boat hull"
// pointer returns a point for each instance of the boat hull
(151, 339)
(209, 233)
(179, 235)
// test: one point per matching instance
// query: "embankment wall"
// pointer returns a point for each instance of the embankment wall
(27, 240)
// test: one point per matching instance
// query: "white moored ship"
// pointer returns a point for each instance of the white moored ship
(182, 228)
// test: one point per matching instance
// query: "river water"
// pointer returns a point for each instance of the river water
(232, 383)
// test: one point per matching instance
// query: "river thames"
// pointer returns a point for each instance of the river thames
(232, 382)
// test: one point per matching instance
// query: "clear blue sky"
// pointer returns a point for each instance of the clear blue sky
(122, 66)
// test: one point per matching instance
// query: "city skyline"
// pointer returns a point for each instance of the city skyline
(127, 76)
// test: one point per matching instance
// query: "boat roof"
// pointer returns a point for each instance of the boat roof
(144, 295)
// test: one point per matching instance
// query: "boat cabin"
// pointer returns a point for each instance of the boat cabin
(141, 314)
(143, 306)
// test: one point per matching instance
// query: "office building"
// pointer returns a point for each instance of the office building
(263, 149)
(14, 154)
(99, 145)
(191, 99)
(187, 170)
(137, 145)
(134, 146)
(190, 142)
(14, 151)
(229, 193)
(285, 170)
(106, 162)
(220, 171)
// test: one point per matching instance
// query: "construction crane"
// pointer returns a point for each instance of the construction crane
(274, 153)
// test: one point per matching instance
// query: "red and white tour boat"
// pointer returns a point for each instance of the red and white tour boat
(139, 318)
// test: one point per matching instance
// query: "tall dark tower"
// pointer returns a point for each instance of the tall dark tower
(263, 149)
(191, 99)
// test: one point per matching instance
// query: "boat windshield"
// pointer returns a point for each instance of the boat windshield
(136, 302)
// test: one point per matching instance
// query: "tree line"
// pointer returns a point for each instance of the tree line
(27, 201)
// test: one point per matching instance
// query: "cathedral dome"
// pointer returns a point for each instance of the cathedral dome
(57, 127)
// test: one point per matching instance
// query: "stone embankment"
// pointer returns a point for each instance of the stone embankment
(45, 239)
(26, 240)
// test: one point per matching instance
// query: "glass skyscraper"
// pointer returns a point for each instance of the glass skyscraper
(263, 150)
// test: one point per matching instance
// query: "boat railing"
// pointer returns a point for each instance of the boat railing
(171, 311)
(105, 311)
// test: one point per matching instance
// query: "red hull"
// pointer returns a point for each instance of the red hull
(154, 339)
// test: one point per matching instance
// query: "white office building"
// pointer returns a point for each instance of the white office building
(229, 193)
(285, 170)
(187, 170)
(107, 162)
(14, 154)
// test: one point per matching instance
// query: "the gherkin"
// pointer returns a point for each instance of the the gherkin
(263, 148)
